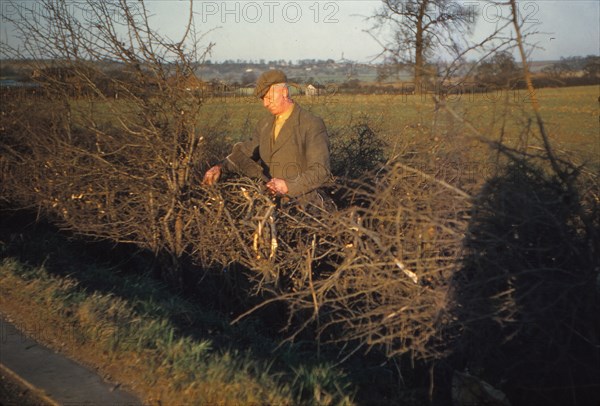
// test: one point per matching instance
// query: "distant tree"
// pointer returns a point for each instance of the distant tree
(500, 70)
(573, 63)
(420, 27)
(386, 71)
(591, 66)
(557, 70)
(567, 66)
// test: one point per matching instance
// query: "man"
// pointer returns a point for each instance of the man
(288, 150)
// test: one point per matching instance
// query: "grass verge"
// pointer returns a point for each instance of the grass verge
(138, 333)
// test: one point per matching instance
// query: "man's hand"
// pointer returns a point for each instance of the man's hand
(212, 175)
(277, 186)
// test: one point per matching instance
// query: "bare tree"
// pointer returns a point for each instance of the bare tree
(420, 27)
(108, 166)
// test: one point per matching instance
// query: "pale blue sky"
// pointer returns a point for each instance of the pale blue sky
(307, 29)
(300, 29)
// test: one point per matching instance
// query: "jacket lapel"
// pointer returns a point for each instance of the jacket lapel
(266, 138)
(287, 131)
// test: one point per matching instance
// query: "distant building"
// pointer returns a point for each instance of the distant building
(311, 91)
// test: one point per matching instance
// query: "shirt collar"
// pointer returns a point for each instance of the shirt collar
(285, 115)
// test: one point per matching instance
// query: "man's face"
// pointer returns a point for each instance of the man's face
(275, 99)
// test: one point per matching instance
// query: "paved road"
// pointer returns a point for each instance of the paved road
(15, 392)
(54, 378)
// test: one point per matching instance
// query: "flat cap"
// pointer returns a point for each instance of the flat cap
(268, 78)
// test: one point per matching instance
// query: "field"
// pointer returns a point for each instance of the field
(571, 116)
(464, 240)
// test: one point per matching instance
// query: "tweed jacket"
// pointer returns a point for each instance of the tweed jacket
(300, 155)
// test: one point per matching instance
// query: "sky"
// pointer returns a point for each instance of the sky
(307, 29)
(310, 29)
